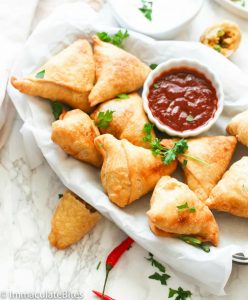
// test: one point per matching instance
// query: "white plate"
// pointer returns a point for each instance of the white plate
(236, 9)
(209, 270)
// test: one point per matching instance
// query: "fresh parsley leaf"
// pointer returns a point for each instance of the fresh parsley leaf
(185, 205)
(122, 96)
(190, 118)
(155, 263)
(155, 86)
(146, 9)
(40, 74)
(181, 294)
(185, 163)
(153, 66)
(217, 48)
(57, 109)
(148, 131)
(160, 277)
(195, 242)
(116, 39)
(104, 118)
(60, 195)
(98, 265)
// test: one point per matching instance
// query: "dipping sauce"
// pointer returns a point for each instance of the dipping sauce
(182, 98)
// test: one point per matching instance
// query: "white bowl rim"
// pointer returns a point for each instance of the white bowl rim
(238, 8)
(157, 32)
(202, 68)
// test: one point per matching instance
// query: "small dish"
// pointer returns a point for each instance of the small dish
(169, 17)
(234, 8)
(174, 66)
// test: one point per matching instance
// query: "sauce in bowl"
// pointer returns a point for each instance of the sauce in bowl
(182, 98)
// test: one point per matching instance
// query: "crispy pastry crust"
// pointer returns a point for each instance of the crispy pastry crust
(238, 127)
(167, 220)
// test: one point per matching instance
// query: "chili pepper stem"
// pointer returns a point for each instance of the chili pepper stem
(108, 269)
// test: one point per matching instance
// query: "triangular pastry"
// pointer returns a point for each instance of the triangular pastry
(175, 210)
(72, 219)
(231, 192)
(117, 72)
(129, 171)
(238, 127)
(67, 77)
(128, 119)
(75, 133)
(216, 152)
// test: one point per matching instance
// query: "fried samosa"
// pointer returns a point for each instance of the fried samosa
(231, 192)
(67, 77)
(176, 210)
(129, 171)
(128, 119)
(72, 219)
(239, 127)
(117, 72)
(75, 133)
(215, 152)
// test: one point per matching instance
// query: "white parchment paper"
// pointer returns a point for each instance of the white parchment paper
(209, 270)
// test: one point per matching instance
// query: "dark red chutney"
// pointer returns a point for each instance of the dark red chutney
(182, 98)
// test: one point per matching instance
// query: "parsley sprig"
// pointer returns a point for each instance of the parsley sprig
(195, 242)
(116, 39)
(181, 294)
(104, 118)
(163, 277)
(186, 206)
(153, 66)
(122, 96)
(57, 109)
(148, 132)
(40, 74)
(146, 9)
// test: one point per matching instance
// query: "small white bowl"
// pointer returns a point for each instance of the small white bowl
(127, 19)
(194, 64)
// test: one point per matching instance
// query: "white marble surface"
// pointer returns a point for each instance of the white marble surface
(27, 201)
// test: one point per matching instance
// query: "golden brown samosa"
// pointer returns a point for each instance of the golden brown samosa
(128, 119)
(215, 152)
(72, 219)
(75, 133)
(238, 127)
(176, 210)
(129, 171)
(117, 72)
(231, 192)
(67, 77)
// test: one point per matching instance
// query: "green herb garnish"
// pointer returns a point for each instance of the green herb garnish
(184, 206)
(60, 195)
(104, 118)
(195, 242)
(122, 96)
(155, 263)
(57, 109)
(155, 86)
(160, 277)
(217, 48)
(98, 265)
(148, 131)
(116, 39)
(185, 163)
(40, 74)
(196, 159)
(220, 32)
(146, 9)
(190, 118)
(153, 66)
(181, 294)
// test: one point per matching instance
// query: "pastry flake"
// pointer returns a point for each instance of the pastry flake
(175, 210)
(73, 218)
(67, 77)
(238, 127)
(117, 72)
(231, 193)
(75, 133)
(128, 119)
(215, 152)
(129, 172)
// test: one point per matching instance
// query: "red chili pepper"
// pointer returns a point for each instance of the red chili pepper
(100, 295)
(113, 258)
